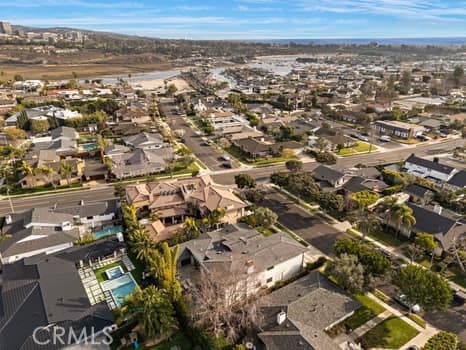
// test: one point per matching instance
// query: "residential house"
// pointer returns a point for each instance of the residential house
(172, 201)
(297, 316)
(36, 231)
(49, 158)
(46, 291)
(145, 140)
(333, 141)
(329, 176)
(419, 194)
(458, 181)
(397, 129)
(256, 149)
(358, 184)
(63, 140)
(42, 113)
(252, 260)
(141, 162)
(444, 229)
(429, 169)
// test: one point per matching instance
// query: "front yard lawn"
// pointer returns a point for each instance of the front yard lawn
(361, 147)
(238, 154)
(366, 312)
(392, 333)
(387, 238)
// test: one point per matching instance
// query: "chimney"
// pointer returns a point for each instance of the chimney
(281, 317)
(438, 209)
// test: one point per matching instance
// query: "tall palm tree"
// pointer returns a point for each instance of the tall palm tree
(26, 168)
(164, 266)
(385, 207)
(49, 174)
(101, 144)
(152, 308)
(190, 228)
(141, 244)
(66, 170)
(403, 216)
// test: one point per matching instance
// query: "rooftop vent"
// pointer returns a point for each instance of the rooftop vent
(281, 317)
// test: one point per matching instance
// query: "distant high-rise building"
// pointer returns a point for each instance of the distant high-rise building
(5, 28)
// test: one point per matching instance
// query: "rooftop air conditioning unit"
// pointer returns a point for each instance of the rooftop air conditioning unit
(281, 317)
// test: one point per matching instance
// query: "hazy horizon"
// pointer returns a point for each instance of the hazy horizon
(248, 19)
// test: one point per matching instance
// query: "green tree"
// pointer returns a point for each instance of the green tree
(458, 75)
(363, 199)
(172, 89)
(348, 272)
(27, 169)
(422, 287)
(66, 171)
(163, 266)
(215, 217)
(280, 179)
(130, 217)
(264, 217)
(141, 244)
(152, 308)
(49, 174)
(39, 126)
(405, 82)
(190, 228)
(245, 181)
(294, 165)
(442, 341)
(403, 216)
(322, 144)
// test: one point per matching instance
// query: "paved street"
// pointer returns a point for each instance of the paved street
(48, 200)
(207, 154)
(312, 228)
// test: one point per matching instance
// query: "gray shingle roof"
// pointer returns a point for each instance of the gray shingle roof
(442, 168)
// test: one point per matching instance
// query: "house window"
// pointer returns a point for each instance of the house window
(270, 268)
(89, 217)
(269, 280)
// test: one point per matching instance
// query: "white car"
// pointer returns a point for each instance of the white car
(385, 138)
(363, 138)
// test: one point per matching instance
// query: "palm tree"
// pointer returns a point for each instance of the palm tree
(141, 244)
(403, 216)
(26, 168)
(190, 228)
(215, 217)
(367, 222)
(66, 170)
(152, 308)
(49, 174)
(164, 266)
(385, 207)
(101, 144)
(6, 171)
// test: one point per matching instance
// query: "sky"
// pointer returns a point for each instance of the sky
(247, 19)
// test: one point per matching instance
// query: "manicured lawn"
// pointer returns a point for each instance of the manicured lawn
(392, 333)
(100, 273)
(178, 339)
(387, 238)
(366, 312)
(361, 147)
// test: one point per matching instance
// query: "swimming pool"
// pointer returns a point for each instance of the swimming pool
(120, 287)
(88, 146)
(114, 272)
(107, 232)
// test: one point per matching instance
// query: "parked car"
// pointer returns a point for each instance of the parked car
(385, 138)
(227, 165)
(225, 158)
(401, 298)
(363, 138)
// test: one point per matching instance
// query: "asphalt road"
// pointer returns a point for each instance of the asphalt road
(312, 228)
(48, 200)
(207, 154)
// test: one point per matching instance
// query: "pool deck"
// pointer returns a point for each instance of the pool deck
(93, 288)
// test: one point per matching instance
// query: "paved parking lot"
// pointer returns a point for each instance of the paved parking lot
(312, 228)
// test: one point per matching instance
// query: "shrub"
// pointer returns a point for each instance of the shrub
(442, 341)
